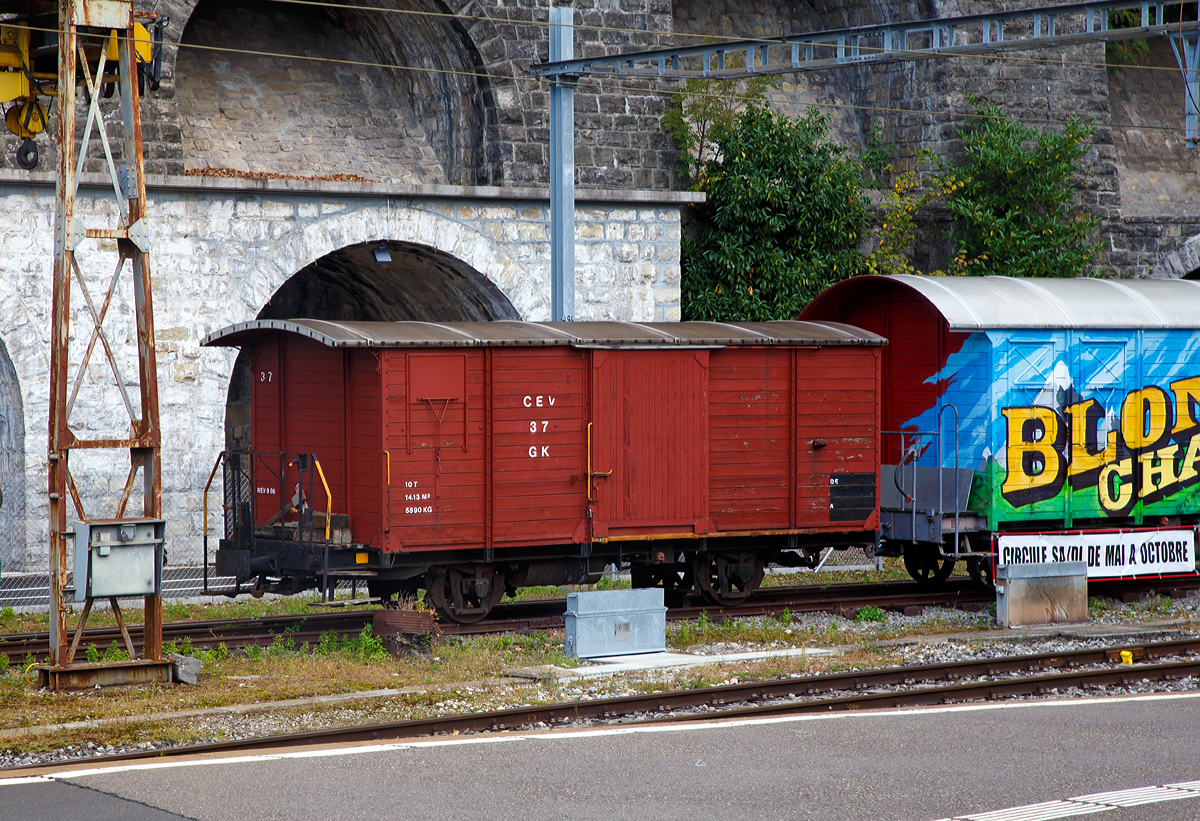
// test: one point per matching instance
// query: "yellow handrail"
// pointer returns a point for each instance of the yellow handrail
(328, 499)
(388, 454)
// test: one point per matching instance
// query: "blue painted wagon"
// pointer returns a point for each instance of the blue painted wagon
(1035, 420)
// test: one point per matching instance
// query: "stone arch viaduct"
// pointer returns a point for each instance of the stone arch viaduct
(272, 178)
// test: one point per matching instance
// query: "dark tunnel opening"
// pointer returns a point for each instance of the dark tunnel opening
(349, 285)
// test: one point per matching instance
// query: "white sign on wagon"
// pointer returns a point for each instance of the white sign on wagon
(1110, 555)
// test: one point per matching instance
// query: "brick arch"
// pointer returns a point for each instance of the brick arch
(269, 268)
(1182, 263)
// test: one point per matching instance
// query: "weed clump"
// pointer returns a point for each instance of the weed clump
(870, 613)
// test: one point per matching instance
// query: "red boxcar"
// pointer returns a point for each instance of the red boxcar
(470, 458)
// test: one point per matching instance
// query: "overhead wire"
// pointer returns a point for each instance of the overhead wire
(605, 78)
(716, 39)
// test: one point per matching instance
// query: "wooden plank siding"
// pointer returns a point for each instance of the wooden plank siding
(650, 412)
(837, 436)
(539, 404)
(364, 443)
(750, 438)
(468, 448)
(436, 441)
(919, 343)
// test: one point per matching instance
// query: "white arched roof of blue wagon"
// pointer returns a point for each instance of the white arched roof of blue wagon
(982, 303)
(508, 333)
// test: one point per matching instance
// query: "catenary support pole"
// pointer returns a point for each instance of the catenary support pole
(562, 171)
(1187, 54)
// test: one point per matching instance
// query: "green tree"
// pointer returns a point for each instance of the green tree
(1014, 199)
(783, 215)
(704, 108)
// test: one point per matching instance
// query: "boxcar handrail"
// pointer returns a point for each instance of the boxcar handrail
(941, 460)
(328, 498)
(591, 474)
(207, 485)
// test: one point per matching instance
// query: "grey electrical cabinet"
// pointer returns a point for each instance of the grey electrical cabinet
(118, 557)
(615, 623)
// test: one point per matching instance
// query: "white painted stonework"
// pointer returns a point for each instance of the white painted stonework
(217, 257)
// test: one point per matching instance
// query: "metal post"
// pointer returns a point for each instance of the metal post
(1187, 55)
(64, 257)
(562, 171)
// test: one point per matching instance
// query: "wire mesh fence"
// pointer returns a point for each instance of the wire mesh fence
(31, 591)
(852, 558)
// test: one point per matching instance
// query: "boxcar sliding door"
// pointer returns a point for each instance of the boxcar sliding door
(649, 441)
(435, 449)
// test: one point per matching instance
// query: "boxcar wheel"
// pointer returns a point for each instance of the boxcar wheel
(464, 594)
(926, 567)
(981, 572)
(675, 578)
(728, 579)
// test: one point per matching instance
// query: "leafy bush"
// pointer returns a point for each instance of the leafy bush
(783, 216)
(1013, 199)
(910, 193)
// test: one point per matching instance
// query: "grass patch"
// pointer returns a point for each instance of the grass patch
(280, 670)
(173, 610)
(893, 570)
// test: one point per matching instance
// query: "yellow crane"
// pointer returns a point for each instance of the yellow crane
(29, 70)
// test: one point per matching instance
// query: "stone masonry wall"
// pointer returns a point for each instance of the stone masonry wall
(473, 115)
(217, 258)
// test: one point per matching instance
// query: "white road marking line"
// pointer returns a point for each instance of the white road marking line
(556, 735)
(1046, 811)
(31, 779)
(1087, 804)
(1132, 798)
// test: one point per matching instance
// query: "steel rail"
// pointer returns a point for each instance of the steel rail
(206, 634)
(537, 614)
(547, 614)
(736, 700)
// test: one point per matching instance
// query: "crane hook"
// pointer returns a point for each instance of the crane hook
(27, 154)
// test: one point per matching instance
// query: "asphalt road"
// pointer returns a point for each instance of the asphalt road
(914, 765)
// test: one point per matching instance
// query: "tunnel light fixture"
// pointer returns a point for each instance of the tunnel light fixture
(382, 254)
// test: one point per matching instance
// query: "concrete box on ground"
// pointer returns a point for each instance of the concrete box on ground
(1050, 593)
(616, 623)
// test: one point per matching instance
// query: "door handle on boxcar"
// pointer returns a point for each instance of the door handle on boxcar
(592, 474)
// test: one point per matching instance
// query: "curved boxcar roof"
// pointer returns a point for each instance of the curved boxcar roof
(505, 333)
(981, 303)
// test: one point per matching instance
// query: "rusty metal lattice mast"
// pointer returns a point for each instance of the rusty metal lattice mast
(91, 34)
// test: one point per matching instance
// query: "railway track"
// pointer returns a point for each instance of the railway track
(203, 634)
(972, 680)
(546, 614)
